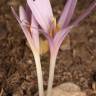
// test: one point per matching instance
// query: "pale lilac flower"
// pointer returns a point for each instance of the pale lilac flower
(55, 32)
(30, 28)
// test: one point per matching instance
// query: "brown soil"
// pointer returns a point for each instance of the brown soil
(17, 67)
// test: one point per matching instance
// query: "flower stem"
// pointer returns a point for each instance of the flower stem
(39, 73)
(51, 73)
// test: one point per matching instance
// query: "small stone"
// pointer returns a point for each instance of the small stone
(67, 89)
(29, 61)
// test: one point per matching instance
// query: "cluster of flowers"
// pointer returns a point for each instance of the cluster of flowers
(37, 17)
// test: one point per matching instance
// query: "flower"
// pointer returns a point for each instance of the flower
(54, 31)
(29, 26)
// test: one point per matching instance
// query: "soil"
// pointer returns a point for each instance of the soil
(17, 68)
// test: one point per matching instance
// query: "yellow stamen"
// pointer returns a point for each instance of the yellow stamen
(54, 21)
(56, 27)
(52, 27)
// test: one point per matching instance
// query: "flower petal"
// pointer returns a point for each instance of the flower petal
(35, 33)
(25, 30)
(60, 36)
(67, 13)
(86, 13)
(50, 40)
(28, 13)
(42, 11)
(23, 15)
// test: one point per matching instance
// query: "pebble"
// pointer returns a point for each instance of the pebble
(67, 89)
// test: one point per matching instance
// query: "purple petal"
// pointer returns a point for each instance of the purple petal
(42, 11)
(60, 36)
(50, 40)
(28, 13)
(86, 13)
(25, 30)
(67, 13)
(33, 27)
(23, 15)
(28, 37)
(35, 32)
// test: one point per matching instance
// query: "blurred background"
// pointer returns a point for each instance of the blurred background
(75, 63)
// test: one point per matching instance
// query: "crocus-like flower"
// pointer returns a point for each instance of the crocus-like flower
(30, 28)
(55, 32)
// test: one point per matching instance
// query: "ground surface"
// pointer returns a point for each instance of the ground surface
(17, 67)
